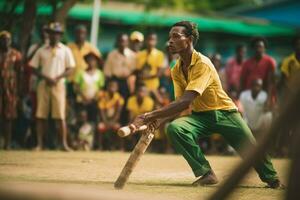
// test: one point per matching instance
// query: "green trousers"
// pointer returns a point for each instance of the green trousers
(185, 133)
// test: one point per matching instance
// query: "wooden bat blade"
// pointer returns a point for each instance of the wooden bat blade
(134, 157)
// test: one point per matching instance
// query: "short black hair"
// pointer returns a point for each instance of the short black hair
(256, 39)
(191, 29)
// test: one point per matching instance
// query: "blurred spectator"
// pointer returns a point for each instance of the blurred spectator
(52, 63)
(87, 84)
(259, 66)
(254, 101)
(216, 59)
(80, 47)
(290, 67)
(11, 88)
(110, 105)
(233, 68)
(85, 135)
(136, 41)
(120, 64)
(150, 63)
(166, 79)
(140, 102)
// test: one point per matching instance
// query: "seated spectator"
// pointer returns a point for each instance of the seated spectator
(110, 105)
(87, 84)
(140, 102)
(254, 103)
(85, 134)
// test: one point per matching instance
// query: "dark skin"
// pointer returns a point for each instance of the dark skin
(183, 45)
(80, 36)
(240, 54)
(122, 43)
(54, 39)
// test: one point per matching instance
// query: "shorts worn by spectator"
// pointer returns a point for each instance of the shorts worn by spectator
(52, 63)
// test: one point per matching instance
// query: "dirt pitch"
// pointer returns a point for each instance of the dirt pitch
(155, 175)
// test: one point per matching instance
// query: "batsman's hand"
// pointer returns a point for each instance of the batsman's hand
(137, 123)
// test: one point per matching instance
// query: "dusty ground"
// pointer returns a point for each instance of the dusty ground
(155, 174)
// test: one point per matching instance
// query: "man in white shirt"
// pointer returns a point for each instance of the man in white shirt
(51, 64)
(254, 104)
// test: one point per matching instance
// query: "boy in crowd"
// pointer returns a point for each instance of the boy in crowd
(110, 105)
(88, 83)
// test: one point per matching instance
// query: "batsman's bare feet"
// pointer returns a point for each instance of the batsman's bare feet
(276, 184)
(207, 179)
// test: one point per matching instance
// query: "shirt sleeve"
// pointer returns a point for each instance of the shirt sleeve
(36, 60)
(130, 104)
(285, 67)
(200, 78)
(70, 62)
(272, 64)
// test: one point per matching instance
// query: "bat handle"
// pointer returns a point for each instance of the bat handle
(125, 130)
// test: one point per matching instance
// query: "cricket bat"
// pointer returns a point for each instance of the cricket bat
(140, 148)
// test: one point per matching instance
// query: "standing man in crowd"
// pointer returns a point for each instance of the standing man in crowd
(196, 83)
(11, 86)
(120, 65)
(233, 68)
(52, 63)
(150, 63)
(136, 41)
(290, 68)
(262, 66)
(80, 47)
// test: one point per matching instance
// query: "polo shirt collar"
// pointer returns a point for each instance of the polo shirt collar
(193, 59)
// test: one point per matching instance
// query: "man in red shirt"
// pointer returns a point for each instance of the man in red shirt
(233, 68)
(259, 66)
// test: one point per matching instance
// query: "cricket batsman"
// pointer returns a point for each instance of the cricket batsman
(197, 84)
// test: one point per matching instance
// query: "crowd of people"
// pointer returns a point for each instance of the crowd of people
(72, 90)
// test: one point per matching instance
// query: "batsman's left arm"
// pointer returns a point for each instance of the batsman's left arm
(169, 111)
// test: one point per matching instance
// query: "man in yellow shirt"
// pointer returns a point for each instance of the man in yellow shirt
(197, 84)
(80, 47)
(290, 67)
(149, 63)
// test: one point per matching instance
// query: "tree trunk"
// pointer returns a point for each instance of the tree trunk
(28, 21)
(61, 13)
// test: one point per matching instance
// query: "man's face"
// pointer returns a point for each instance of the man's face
(54, 37)
(123, 42)
(80, 35)
(5, 42)
(151, 41)
(259, 47)
(178, 41)
(241, 52)
(257, 86)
